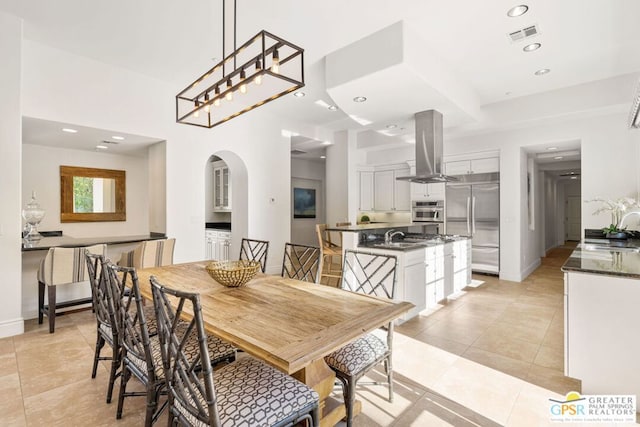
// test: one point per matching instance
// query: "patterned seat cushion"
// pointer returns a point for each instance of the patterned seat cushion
(357, 355)
(253, 394)
(106, 332)
(218, 350)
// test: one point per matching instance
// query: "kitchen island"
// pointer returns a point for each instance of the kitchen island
(431, 268)
(601, 296)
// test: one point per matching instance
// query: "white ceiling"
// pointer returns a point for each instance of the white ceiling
(582, 41)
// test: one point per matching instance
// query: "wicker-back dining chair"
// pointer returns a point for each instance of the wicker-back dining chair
(106, 333)
(301, 262)
(246, 392)
(137, 353)
(370, 274)
(141, 354)
(254, 250)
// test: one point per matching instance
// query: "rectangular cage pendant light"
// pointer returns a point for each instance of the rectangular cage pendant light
(261, 70)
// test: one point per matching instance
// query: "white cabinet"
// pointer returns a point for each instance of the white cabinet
(464, 167)
(221, 187)
(389, 193)
(438, 273)
(433, 191)
(217, 243)
(461, 264)
(366, 190)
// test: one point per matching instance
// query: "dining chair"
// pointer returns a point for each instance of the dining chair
(141, 354)
(246, 392)
(105, 319)
(371, 274)
(149, 253)
(62, 267)
(329, 251)
(254, 250)
(301, 262)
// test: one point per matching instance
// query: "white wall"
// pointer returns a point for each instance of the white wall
(41, 173)
(341, 179)
(308, 174)
(158, 188)
(10, 174)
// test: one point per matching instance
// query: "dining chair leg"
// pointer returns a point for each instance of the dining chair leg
(52, 308)
(100, 342)
(152, 405)
(124, 379)
(115, 364)
(40, 302)
(350, 399)
(389, 369)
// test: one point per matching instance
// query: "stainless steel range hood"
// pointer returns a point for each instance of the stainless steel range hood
(428, 149)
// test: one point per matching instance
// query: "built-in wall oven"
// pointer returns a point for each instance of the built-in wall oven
(429, 213)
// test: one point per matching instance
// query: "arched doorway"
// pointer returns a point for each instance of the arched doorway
(236, 211)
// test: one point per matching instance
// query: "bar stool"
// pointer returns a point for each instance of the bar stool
(329, 251)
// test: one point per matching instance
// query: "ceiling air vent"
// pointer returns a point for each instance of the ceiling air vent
(296, 152)
(109, 142)
(524, 33)
(570, 174)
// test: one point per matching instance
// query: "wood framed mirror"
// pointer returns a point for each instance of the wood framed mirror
(92, 195)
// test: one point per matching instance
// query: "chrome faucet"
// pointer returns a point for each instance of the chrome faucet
(388, 236)
(625, 216)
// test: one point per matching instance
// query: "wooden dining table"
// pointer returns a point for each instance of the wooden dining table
(287, 323)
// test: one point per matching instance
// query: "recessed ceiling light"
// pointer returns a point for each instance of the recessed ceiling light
(332, 107)
(69, 130)
(558, 158)
(542, 72)
(326, 143)
(574, 177)
(391, 126)
(323, 157)
(299, 94)
(359, 99)
(118, 138)
(531, 47)
(517, 10)
(102, 147)
(552, 148)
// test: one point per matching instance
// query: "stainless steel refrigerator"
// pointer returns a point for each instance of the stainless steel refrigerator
(472, 208)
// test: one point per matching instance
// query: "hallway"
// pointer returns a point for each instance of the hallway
(515, 328)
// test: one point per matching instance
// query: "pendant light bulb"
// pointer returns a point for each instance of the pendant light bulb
(216, 101)
(258, 79)
(275, 66)
(243, 83)
(229, 95)
(196, 113)
(207, 107)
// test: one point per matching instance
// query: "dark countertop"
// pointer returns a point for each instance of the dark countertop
(218, 225)
(72, 242)
(412, 243)
(373, 226)
(618, 260)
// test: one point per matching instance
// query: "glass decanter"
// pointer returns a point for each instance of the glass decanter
(33, 214)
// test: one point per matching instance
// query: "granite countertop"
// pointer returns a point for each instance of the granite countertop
(72, 242)
(218, 225)
(375, 226)
(412, 243)
(601, 256)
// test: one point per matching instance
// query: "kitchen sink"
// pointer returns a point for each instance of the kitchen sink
(605, 247)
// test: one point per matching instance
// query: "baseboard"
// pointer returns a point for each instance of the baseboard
(9, 328)
(530, 269)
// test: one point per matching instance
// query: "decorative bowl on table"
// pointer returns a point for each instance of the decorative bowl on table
(232, 273)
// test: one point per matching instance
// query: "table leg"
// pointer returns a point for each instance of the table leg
(321, 378)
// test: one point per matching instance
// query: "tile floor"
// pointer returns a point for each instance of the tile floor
(492, 357)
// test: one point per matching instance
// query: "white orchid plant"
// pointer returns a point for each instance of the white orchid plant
(617, 208)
